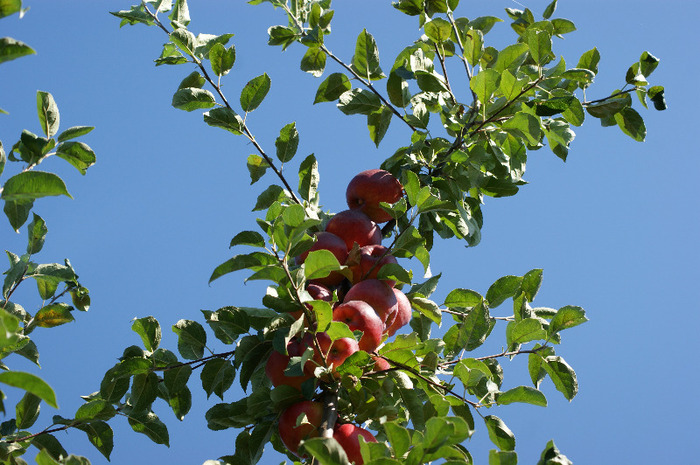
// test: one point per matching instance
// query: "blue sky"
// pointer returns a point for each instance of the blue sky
(613, 228)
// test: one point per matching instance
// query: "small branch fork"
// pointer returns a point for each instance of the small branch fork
(244, 126)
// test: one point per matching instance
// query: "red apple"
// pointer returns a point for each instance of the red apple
(360, 316)
(381, 364)
(277, 363)
(317, 292)
(347, 436)
(353, 226)
(378, 295)
(334, 244)
(371, 259)
(333, 352)
(366, 190)
(403, 313)
(291, 433)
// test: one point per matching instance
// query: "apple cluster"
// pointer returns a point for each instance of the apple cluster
(359, 299)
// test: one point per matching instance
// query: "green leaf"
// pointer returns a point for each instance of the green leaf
(503, 457)
(281, 35)
(319, 264)
(11, 49)
(254, 92)
(175, 378)
(251, 238)
(562, 375)
(398, 436)
(562, 26)
(27, 411)
(551, 456)
(484, 84)
(438, 30)
(98, 409)
(474, 46)
(222, 58)
(308, 178)
(9, 7)
(53, 315)
(475, 327)
(523, 394)
(31, 185)
(192, 98)
(511, 57)
(359, 101)
(499, 433)
(149, 330)
(464, 298)
(100, 435)
(50, 449)
(180, 14)
(78, 154)
(287, 142)
(194, 79)
(37, 234)
(149, 424)
(332, 88)
(73, 132)
(540, 44)
(30, 383)
(326, 451)
(428, 308)
(590, 60)
(525, 330)
(191, 339)
(549, 10)
(656, 94)
(217, 376)
(257, 166)
(225, 118)
(314, 61)
(47, 110)
(631, 123)
(185, 40)
(504, 288)
(378, 124)
(272, 194)
(567, 317)
(484, 23)
(365, 62)
(397, 89)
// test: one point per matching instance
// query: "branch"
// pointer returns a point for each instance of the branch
(246, 130)
(609, 96)
(197, 363)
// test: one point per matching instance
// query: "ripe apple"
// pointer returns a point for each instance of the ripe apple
(360, 316)
(371, 257)
(347, 436)
(277, 363)
(378, 295)
(366, 190)
(381, 364)
(317, 292)
(353, 226)
(333, 352)
(403, 313)
(290, 433)
(334, 244)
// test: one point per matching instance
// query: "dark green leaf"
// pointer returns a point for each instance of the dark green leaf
(551, 456)
(192, 98)
(149, 424)
(217, 376)
(191, 339)
(656, 94)
(11, 49)
(378, 124)
(100, 435)
(175, 379)
(631, 123)
(27, 410)
(30, 383)
(77, 154)
(31, 185)
(504, 288)
(549, 10)
(562, 375)
(332, 88)
(272, 194)
(48, 113)
(251, 238)
(254, 92)
(287, 142)
(49, 447)
(499, 433)
(194, 79)
(184, 39)
(225, 118)
(97, 409)
(308, 178)
(9, 7)
(149, 330)
(37, 234)
(366, 59)
(501, 457)
(281, 35)
(359, 101)
(17, 212)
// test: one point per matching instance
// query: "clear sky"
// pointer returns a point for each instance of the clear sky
(615, 228)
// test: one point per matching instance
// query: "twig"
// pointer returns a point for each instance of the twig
(609, 96)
